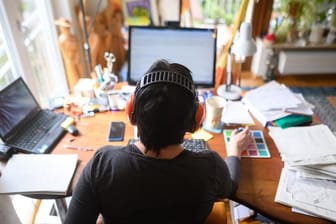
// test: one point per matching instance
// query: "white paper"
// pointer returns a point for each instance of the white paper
(292, 192)
(272, 95)
(310, 173)
(303, 108)
(38, 174)
(304, 143)
(236, 113)
(272, 101)
(264, 116)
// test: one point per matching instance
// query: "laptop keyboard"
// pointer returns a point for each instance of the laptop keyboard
(195, 145)
(37, 129)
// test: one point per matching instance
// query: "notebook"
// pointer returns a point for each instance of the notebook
(38, 174)
(25, 126)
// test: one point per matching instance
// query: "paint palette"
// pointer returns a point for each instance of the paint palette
(257, 149)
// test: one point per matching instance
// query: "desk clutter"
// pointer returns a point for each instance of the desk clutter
(88, 100)
(308, 179)
(276, 103)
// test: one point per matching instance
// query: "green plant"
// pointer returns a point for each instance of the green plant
(333, 18)
(299, 15)
(220, 10)
(310, 11)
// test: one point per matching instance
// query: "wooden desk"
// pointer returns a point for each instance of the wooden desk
(259, 177)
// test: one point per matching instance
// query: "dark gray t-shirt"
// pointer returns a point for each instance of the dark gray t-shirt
(126, 186)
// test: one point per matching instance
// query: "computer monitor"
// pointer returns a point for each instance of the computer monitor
(192, 47)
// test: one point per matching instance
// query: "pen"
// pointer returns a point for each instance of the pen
(240, 129)
(80, 148)
(99, 72)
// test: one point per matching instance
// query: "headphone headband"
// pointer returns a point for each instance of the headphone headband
(167, 76)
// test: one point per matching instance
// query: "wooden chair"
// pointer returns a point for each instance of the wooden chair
(220, 213)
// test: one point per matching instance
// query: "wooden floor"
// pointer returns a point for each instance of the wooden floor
(250, 79)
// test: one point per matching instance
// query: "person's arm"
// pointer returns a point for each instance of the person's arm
(238, 142)
(233, 164)
(83, 206)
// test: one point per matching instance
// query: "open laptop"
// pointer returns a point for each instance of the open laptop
(24, 125)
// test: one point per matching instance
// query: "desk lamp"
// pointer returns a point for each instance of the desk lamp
(242, 47)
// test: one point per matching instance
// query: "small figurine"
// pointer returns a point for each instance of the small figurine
(110, 79)
(110, 59)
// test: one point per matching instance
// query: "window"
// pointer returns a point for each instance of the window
(32, 50)
(6, 72)
(210, 13)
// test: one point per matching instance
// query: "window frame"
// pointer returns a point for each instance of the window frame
(18, 55)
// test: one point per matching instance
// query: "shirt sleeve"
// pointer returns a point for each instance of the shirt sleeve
(233, 164)
(227, 176)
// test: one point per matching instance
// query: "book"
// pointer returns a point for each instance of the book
(293, 120)
(49, 174)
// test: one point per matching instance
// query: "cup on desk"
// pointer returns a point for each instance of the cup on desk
(214, 106)
(113, 99)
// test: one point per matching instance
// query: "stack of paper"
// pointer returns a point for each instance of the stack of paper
(308, 180)
(272, 101)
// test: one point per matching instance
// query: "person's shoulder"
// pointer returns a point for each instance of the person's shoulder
(206, 154)
(110, 150)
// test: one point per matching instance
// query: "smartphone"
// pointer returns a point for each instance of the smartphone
(5, 152)
(116, 131)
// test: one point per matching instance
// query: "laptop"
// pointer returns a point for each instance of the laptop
(24, 125)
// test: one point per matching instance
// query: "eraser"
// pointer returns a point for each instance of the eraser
(68, 121)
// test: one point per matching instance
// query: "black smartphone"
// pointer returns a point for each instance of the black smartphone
(116, 131)
(5, 152)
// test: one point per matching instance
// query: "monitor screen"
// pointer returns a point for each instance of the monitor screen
(193, 47)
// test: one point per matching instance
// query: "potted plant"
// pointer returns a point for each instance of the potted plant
(302, 16)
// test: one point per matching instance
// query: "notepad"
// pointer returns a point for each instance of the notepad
(257, 149)
(38, 174)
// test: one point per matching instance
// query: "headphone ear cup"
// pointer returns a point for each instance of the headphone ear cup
(199, 117)
(129, 110)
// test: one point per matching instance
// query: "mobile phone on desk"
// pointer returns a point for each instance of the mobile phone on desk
(116, 131)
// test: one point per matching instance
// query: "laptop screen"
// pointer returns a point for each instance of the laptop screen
(17, 105)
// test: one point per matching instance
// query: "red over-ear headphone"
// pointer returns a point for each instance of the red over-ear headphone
(167, 77)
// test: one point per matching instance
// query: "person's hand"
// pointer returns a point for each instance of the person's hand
(239, 142)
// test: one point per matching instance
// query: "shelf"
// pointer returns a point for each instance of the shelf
(287, 46)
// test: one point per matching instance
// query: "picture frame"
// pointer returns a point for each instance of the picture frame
(140, 12)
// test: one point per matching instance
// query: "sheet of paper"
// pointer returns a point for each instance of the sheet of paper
(264, 116)
(304, 107)
(272, 96)
(311, 173)
(273, 100)
(236, 113)
(301, 143)
(202, 134)
(288, 193)
(319, 193)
